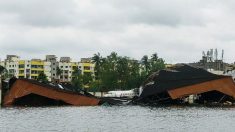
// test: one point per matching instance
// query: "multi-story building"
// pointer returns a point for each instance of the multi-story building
(67, 68)
(86, 66)
(53, 65)
(57, 71)
(26, 68)
(32, 68)
(11, 64)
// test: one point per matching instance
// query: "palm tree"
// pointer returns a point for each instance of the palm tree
(154, 57)
(58, 72)
(145, 62)
(97, 60)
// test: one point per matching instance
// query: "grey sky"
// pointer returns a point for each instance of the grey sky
(178, 30)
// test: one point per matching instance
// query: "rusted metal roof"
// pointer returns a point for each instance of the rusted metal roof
(224, 85)
(182, 81)
(24, 87)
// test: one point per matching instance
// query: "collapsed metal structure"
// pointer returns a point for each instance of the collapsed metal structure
(171, 86)
(176, 84)
(25, 92)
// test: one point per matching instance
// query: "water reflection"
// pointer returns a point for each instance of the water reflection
(117, 118)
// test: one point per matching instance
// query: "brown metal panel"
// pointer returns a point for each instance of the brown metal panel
(22, 88)
(224, 85)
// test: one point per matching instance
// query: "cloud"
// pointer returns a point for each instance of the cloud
(177, 30)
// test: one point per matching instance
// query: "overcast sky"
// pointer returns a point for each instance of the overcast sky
(178, 30)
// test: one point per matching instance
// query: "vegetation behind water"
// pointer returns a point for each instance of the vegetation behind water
(115, 72)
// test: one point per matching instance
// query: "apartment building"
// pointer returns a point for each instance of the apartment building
(57, 71)
(11, 64)
(86, 66)
(26, 68)
(53, 66)
(32, 68)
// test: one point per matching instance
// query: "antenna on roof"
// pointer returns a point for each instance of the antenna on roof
(203, 54)
(216, 54)
(222, 55)
(211, 55)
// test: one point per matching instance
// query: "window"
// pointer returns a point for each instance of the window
(61, 67)
(27, 70)
(87, 68)
(21, 72)
(34, 72)
(66, 66)
(21, 66)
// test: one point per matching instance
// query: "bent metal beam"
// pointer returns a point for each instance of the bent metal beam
(224, 85)
(24, 87)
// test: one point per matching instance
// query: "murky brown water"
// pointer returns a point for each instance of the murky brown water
(117, 119)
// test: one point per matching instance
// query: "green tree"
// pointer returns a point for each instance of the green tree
(146, 64)
(135, 80)
(123, 73)
(4, 72)
(118, 72)
(58, 72)
(156, 63)
(77, 79)
(86, 79)
(97, 59)
(108, 76)
(1, 69)
(42, 78)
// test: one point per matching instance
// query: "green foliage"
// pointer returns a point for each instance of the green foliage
(58, 71)
(4, 72)
(95, 86)
(156, 63)
(1, 69)
(86, 78)
(97, 59)
(77, 78)
(116, 72)
(81, 81)
(42, 78)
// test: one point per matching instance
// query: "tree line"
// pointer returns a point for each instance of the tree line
(115, 72)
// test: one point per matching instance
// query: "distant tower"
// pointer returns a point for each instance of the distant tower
(208, 56)
(203, 54)
(211, 55)
(222, 58)
(216, 54)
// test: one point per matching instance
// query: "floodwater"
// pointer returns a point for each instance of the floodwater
(117, 119)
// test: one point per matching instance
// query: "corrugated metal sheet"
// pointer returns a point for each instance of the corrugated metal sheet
(22, 88)
(224, 85)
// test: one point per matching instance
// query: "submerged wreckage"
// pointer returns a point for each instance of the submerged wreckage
(25, 92)
(184, 84)
(181, 84)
